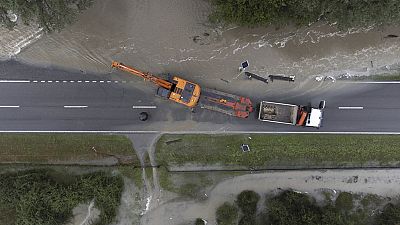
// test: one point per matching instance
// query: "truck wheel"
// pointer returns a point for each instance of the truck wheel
(322, 104)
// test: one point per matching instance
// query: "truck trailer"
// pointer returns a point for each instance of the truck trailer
(296, 115)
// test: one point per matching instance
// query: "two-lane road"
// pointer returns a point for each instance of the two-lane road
(69, 101)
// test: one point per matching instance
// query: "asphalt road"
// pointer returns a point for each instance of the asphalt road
(46, 99)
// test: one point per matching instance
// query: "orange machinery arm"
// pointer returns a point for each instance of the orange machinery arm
(147, 76)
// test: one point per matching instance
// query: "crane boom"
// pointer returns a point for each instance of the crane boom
(147, 76)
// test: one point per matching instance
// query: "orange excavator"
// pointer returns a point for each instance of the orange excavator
(178, 90)
(190, 94)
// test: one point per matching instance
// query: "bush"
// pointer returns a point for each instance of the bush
(345, 14)
(247, 220)
(227, 214)
(344, 201)
(247, 202)
(50, 14)
(199, 222)
(47, 197)
(389, 216)
(293, 208)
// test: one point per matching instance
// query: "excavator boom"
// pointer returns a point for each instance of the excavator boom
(147, 76)
(175, 89)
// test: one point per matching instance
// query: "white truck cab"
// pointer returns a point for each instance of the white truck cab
(314, 119)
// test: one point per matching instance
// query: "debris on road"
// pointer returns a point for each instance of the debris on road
(226, 81)
(244, 65)
(289, 78)
(330, 78)
(255, 76)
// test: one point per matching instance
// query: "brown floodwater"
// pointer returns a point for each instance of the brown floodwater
(175, 36)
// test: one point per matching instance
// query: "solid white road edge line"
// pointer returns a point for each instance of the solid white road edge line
(15, 81)
(9, 106)
(194, 132)
(351, 107)
(144, 107)
(75, 106)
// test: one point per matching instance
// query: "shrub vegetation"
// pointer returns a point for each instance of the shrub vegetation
(47, 197)
(227, 214)
(247, 201)
(354, 13)
(295, 208)
(50, 14)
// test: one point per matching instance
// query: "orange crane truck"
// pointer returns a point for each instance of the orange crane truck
(191, 95)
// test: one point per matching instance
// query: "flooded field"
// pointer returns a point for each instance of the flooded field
(175, 36)
(383, 183)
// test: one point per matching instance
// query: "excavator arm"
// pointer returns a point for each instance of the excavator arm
(146, 76)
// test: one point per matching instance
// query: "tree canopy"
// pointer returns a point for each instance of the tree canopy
(52, 15)
(345, 13)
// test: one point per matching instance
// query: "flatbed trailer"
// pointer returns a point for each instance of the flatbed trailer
(296, 115)
(226, 103)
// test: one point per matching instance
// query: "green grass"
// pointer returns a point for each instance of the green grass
(48, 148)
(185, 184)
(165, 179)
(133, 173)
(383, 77)
(371, 199)
(279, 151)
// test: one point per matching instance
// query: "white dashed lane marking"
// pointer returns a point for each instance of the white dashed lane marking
(351, 107)
(75, 106)
(67, 81)
(9, 106)
(144, 107)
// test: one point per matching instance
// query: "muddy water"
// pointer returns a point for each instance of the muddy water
(381, 182)
(174, 36)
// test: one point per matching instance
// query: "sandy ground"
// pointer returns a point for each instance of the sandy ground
(132, 203)
(174, 36)
(85, 214)
(381, 182)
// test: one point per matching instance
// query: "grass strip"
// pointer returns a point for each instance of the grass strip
(278, 151)
(48, 148)
(383, 77)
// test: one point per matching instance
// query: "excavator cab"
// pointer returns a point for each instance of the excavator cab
(184, 92)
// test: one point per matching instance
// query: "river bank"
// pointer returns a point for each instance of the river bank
(176, 37)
